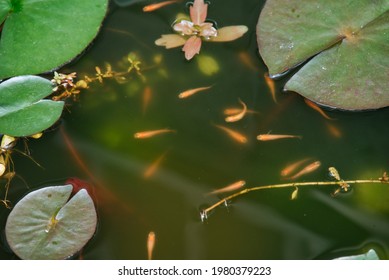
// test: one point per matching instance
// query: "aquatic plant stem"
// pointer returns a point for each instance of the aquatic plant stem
(205, 212)
(67, 87)
(9, 165)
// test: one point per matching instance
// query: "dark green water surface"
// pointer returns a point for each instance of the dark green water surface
(200, 157)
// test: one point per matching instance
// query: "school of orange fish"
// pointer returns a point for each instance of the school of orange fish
(233, 115)
(291, 171)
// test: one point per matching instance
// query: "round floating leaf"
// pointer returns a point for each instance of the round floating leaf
(22, 110)
(45, 225)
(4, 9)
(347, 42)
(125, 3)
(39, 36)
(370, 255)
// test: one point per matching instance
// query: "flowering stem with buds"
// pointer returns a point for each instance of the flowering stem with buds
(65, 86)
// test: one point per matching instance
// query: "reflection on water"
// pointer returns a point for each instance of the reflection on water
(199, 157)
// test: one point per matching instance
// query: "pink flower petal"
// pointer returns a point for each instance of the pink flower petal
(192, 47)
(229, 33)
(207, 30)
(185, 27)
(170, 41)
(198, 12)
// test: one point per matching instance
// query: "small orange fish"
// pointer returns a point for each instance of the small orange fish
(270, 83)
(150, 245)
(334, 131)
(307, 169)
(245, 58)
(238, 137)
(154, 166)
(190, 92)
(234, 186)
(270, 137)
(156, 6)
(146, 98)
(231, 111)
(234, 111)
(292, 167)
(238, 116)
(315, 107)
(151, 133)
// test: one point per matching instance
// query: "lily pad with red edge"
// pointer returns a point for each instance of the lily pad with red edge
(45, 224)
(346, 43)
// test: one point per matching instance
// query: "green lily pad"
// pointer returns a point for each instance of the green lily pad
(4, 9)
(39, 36)
(22, 110)
(347, 43)
(369, 255)
(126, 3)
(45, 225)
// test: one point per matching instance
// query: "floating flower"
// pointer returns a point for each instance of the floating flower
(192, 33)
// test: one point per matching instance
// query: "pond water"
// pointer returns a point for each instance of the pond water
(199, 157)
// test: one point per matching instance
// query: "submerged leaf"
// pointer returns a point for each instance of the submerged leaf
(348, 41)
(207, 65)
(45, 225)
(22, 110)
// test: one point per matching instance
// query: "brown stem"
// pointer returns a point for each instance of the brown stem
(205, 212)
